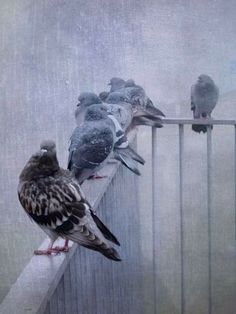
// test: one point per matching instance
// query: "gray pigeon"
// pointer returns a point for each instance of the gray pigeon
(118, 105)
(116, 83)
(131, 116)
(121, 152)
(204, 96)
(85, 100)
(136, 96)
(54, 200)
(91, 143)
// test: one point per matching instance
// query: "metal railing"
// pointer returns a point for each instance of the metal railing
(181, 123)
(85, 282)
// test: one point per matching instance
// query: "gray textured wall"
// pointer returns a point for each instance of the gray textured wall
(52, 50)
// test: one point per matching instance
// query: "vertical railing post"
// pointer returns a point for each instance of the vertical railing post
(181, 163)
(209, 208)
(235, 177)
(154, 208)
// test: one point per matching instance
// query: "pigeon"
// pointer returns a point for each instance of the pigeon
(91, 143)
(204, 96)
(130, 117)
(85, 100)
(97, 140)
(117, 104)
(116, 84)
(122, 151)
(54, 200)
(136, 95)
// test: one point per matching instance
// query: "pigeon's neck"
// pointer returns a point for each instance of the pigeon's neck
(33, 172)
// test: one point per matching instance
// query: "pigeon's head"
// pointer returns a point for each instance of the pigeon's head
(103, 96)
(48, 146)
(96, 112)
(88, 99)
(116, 97)
(116, 83)
(204, 79)
(130, 83)
(42, 164)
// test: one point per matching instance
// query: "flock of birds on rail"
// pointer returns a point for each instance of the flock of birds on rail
(53, 197)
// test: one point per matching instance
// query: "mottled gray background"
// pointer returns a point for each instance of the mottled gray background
(50, 51)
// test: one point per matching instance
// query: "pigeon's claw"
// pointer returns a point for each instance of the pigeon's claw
(47, 252)
(64, 248)
(97, 176)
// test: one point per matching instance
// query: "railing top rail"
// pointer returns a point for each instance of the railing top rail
(199, 121)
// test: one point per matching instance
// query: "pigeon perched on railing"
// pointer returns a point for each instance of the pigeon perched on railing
(85, 99)
(97, 140)
(129, 116)
(136, 95)
(116, 84)
(123, 153)
(88, 99)
(117, 104)
(204, 96)
(54, 200)
(91, 143)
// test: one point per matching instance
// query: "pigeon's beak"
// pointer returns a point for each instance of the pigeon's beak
(43, 151)
(109, 83)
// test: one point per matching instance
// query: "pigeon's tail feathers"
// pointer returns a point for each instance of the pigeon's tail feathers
(200, 128)
(134, 155)
(148, 121)
(105, 231)
(112, 254)
(150, 108)
(107, 251)
(126, 160)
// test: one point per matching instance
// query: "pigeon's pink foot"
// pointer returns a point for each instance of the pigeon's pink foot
(61, 249)
(46, 252)
(97, 176)
(53, 250)
(64, 248)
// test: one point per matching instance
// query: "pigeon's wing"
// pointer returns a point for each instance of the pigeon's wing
(58, 204)
(122, 112)
(135, 95)
(124, 157)
(144, 118)
(129, 152)
(120, 139)
(139, 100)
(198, 128)
(192, 104)
(151, 109)
(90, 146)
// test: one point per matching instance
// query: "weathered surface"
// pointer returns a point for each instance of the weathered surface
(53, 49)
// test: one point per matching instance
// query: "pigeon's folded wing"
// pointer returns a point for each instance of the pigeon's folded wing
(66, 213)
